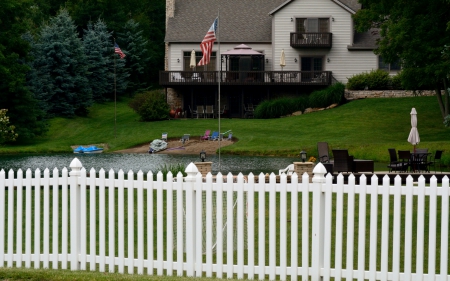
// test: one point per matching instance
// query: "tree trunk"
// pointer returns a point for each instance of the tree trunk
(439, 98)
(446, 99)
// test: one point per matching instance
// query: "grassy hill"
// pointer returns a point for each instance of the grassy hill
(366, 127)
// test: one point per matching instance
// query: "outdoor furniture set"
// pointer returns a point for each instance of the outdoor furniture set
(419, 160)
(206, 111)
(342, 161)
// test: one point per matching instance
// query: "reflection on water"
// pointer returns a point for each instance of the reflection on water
(144, 162)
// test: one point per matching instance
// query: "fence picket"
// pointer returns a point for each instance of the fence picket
(444, 228)
(261, 226)
(10, 250)
(240, 226)
(111, 221)
(397, 229)
(93, 220)
(169, 223)
(432, 229)
(102, 220)
(130, 222)
(37, 219)
(230, 223)
(195, 218)
(251, 226)
(420, 228)
(362, 225)
(140, 212)
(350, 226)
(2, 217)
(55, 216)
(28, 203)
(19, 215)
(272, 226)
(339, 226)
(283, 226)
(120, 222)
(219, 225)
(294, 227)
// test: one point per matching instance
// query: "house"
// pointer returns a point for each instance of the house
(317, 37)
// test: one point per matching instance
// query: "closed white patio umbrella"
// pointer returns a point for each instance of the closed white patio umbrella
(192, 63)
(282, 59)
(414, 138)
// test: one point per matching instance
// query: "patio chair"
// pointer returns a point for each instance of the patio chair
(206, 135)
(342, 161)
(164, 136)
(322, 149)
(193, 112)
(185, 138)
(395, 164)
(230, 137)
(209, 110)
(200, 111)
(436, 159)
(404, 156)
(214, 136)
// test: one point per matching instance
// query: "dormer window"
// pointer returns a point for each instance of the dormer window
(306, 25)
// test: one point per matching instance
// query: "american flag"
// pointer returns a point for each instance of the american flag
(207, 43)
(117, 50)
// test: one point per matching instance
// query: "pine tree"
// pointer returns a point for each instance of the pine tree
(137, 55)
(98, 48)
(60, 69)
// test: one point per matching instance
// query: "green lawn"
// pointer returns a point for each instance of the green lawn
(366, 127)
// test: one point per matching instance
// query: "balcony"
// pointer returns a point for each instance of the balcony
(311, 40)
(297, 78)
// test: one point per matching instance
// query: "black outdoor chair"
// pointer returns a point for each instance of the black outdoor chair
(436, 160)
(322, 149)
(395, 164)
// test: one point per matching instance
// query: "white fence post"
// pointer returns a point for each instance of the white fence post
(191, 171)
(74, 174)
(318, 210)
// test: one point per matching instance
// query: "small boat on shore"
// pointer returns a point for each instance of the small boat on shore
(157, 145)
(88, 150)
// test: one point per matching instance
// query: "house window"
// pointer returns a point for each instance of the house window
(395, 66)
(320, 25)
(211, 66)
(311, 64)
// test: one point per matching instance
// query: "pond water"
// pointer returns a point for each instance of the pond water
(144, 162)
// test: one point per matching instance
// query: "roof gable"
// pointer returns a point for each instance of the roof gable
(350, 5)
(240, 20)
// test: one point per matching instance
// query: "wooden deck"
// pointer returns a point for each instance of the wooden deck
(266, 78)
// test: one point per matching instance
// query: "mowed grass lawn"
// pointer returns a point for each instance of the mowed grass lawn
(367, 128)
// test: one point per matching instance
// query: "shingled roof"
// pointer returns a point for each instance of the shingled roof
(240, 20)
(365, 40)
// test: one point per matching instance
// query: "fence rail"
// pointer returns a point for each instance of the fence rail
(229, 226)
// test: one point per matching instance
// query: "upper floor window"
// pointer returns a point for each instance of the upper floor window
(211, 66)
(395, 66)
(320, 25)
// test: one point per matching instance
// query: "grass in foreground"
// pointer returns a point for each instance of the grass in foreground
(367, 128)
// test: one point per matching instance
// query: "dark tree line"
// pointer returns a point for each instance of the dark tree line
(57, 57)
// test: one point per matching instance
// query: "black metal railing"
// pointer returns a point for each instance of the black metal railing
(311, 40)
(172, 78)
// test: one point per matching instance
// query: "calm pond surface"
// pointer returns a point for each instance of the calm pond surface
(144, 162)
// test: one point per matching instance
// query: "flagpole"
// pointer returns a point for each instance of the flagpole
(220, 74)
(115, 100)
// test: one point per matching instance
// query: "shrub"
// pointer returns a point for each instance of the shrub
(447, 121)
(274, 108)
(396, 81)
(374, 80)
(328, 96)
(174, 168)
(151, 105)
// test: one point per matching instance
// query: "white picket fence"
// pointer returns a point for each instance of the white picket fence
(88, 222)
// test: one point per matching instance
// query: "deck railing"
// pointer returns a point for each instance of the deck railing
(167, 78)
(225, 225)
(311, 40)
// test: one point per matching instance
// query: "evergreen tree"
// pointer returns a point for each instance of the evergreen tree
(137, 54)
(59, 78)
(98, 49)
(22, 108)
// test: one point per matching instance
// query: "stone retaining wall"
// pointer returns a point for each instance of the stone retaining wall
(363, 94)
